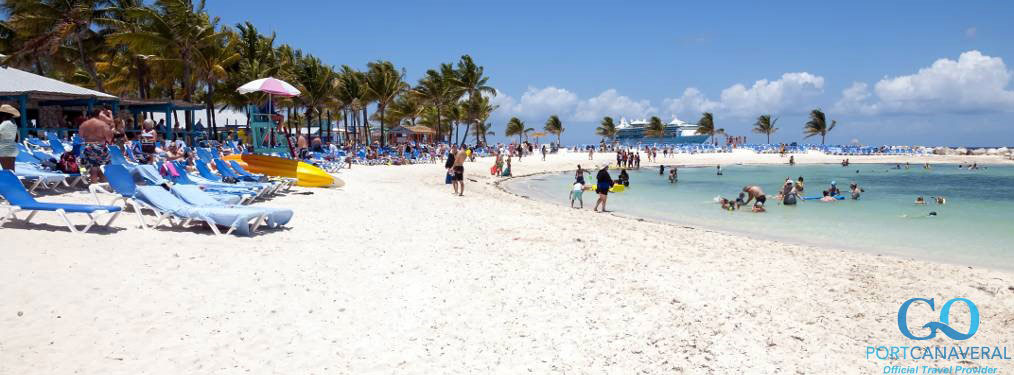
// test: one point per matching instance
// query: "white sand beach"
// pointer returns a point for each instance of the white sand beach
(393, 274)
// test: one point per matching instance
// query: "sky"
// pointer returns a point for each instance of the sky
(889, 72)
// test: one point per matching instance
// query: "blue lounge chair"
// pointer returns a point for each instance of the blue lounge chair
(120, 185)
(167, 206)
(152, 177)
(197, 197)
(19, 199)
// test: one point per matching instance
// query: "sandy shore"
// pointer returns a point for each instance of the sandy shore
(393, 274)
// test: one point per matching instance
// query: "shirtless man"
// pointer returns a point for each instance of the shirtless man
(754, 192)
(97, 132)
(458, 178)
(302, 146)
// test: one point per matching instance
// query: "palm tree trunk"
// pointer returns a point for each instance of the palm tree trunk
(380, 109)
(88, 65)
(329, 126)
(367, 134)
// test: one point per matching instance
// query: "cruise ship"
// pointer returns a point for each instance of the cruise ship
(676, 132)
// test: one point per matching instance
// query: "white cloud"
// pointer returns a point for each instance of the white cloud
(536, 104)
(692, 102)
(611, 103)
(973, 83)
(788, 93)
(539, 102)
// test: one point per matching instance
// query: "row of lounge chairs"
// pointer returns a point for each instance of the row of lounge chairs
(172, 196)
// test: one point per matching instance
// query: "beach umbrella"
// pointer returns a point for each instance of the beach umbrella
(272, 86)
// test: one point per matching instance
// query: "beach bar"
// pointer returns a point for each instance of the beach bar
(44, 100)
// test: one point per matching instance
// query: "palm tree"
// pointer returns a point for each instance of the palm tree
(707, 125)
(607, 128)
(818, 125)
(46, 26)
(554, 126)
(406, 107)
(765, 125)
(316, 82)
(438, 90)
(481, 109)
(470, 80)
(526, 131)
(384, 83)
(655, 128)
(216, 58)
(176, 31)
(515, 127)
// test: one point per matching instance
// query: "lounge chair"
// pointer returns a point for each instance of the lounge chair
(167, 206)
(197, 197)
(264, 188)
(152, 177)
(19, 199)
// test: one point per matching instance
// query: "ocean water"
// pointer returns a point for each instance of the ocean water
(974, 227)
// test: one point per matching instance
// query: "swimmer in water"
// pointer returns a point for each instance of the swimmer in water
(827, 197)
(920, 200)
(855, 191)
(939, 200)
(727, 204)
(799, 184)
(661, 170)
(719, 170)
(673, 175)
(833, 189)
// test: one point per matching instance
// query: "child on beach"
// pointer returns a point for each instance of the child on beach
(576, 193)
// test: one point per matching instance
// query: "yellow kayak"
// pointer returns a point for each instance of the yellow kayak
(306, 175)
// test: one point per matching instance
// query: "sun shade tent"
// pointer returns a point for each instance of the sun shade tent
(32, 89)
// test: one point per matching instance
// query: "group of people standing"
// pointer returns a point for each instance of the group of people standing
(628, 159)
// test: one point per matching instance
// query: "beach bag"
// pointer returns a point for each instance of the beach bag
(448, 179)
(169, 170)
(68, 163)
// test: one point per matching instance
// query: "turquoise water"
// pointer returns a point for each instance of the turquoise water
(974, 227)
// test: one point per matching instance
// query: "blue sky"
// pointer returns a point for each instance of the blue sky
(876, 67)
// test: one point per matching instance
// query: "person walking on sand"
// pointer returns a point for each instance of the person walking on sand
(603, 183)
(8, 136)
(449, 166)
(459, 172)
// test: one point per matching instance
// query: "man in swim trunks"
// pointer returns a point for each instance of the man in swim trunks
(754, 192)
(97, 133)
(458, 178)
